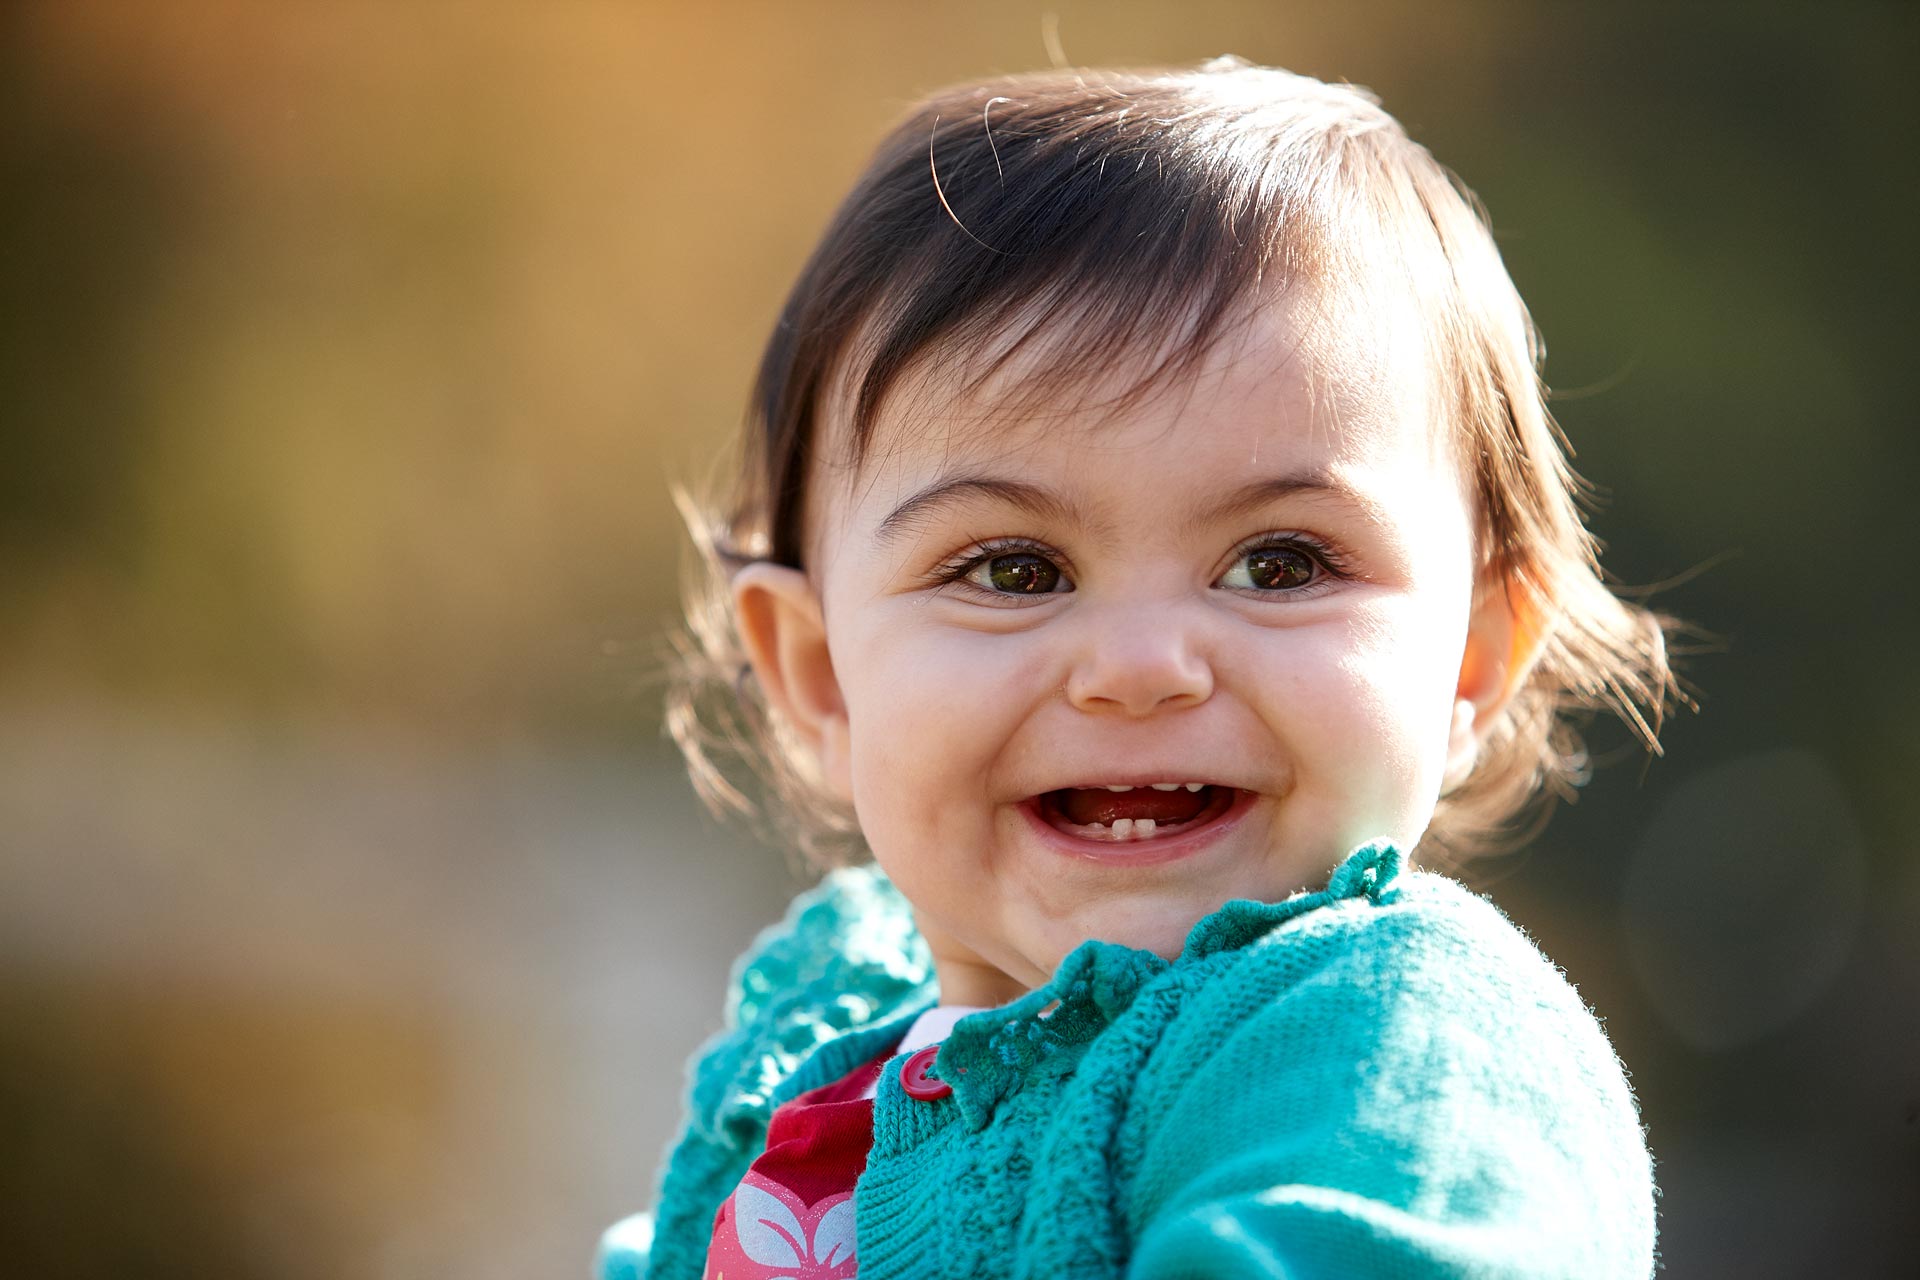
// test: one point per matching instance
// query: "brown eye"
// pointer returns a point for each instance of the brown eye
(1023, 574)
(1018, 572)
(1273, 568)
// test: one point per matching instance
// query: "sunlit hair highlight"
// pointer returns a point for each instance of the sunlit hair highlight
(1129, 221)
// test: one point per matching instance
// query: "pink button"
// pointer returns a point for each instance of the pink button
(915, 1080)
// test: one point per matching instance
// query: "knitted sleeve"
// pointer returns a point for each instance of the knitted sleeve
(1396, 1089)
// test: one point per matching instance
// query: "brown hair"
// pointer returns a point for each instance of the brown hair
(1126, 207)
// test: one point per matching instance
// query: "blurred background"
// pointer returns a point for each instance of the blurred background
(355, 920)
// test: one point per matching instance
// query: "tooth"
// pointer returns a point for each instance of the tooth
(1166, 786)
(1123, 828)
(1143, 828)
(1112, 787)
(1195, 786)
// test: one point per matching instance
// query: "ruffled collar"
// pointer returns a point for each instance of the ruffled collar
(840, 981)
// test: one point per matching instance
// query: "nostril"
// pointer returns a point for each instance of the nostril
(1139, 697)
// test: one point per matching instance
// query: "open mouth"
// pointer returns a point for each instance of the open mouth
(1131, 814)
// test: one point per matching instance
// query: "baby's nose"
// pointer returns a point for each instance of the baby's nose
(1136, 665)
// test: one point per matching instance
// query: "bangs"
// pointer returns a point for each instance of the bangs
(1123, 227)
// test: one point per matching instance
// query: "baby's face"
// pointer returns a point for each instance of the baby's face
(1101, 670)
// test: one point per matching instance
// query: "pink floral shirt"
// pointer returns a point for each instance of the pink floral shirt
(791, 1217)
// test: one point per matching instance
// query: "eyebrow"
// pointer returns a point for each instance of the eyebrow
(1314, 482)
(1043, 503)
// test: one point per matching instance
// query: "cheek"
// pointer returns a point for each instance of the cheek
(930, 711)
(1365, 707)
(1409, 669)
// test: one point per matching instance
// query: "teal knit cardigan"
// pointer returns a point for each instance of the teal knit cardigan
(1381, 1079)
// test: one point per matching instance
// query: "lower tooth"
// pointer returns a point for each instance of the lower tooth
(1143, 828)
(1122, 828)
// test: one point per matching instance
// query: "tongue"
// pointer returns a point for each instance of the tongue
(1086, 805)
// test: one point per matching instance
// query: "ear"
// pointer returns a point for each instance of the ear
(785, 636)
(1503, 641)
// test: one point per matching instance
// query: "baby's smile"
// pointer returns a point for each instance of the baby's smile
(1113, 813)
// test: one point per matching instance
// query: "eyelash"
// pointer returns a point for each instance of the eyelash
(1329, 565)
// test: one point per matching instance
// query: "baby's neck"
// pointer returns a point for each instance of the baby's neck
(967, 980)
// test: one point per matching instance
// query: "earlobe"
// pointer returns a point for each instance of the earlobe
(784, 633)
(1503, 640)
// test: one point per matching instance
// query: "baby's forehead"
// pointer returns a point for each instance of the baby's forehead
(1312, 360)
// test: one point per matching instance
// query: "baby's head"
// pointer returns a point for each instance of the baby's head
(1150, 496)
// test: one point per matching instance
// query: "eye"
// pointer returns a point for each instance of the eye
(1019, 573)
(1274, 566)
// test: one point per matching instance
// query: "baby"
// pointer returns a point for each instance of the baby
(1152, 540)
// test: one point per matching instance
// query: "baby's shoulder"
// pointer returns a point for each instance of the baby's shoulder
(1423, 934)
(1399, 1065)
(1390, 978)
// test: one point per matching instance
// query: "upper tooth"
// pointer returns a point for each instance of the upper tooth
(1195, 786)
(1114, 787)
(1166, 786)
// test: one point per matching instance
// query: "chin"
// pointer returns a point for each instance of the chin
(1157, 929)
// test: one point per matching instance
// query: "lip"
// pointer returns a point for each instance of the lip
(1138, 853)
